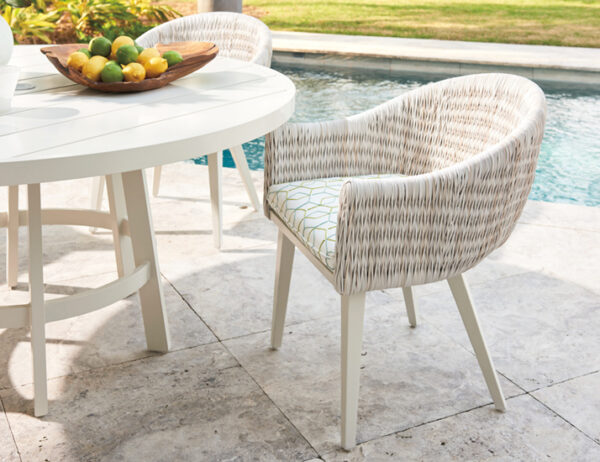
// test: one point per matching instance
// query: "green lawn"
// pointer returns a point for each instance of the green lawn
(549, 22)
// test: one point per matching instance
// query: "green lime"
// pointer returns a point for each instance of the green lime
(172, 57)
(85, 51)
(111, 72)
(139, 48)
(100, 46)
(127, 54)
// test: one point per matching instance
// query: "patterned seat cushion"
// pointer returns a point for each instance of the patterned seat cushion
(310, 208)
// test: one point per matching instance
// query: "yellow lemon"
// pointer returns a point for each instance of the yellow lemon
(147, 54)
(134, 72)
(77, 60)
(93, 67)
(118, 43)
(156, 66)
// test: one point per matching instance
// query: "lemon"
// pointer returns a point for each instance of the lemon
(100, 46)
(172, 57)
(93, 67)
(111, 72)
(156, 66)
(147, 54)
(134, 72)
(77, 60)
(127, 54)
(119, 42)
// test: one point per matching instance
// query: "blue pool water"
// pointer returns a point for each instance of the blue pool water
(569, 164)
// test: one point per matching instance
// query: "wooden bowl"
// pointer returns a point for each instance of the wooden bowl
(195, 55)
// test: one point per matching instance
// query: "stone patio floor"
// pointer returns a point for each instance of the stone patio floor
(222, 394)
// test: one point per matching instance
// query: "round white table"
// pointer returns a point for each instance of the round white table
(58, 130)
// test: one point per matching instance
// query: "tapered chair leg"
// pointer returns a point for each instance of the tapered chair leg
(353, 311)
(12, 237)
(283, 275)
(215, 166)
(461, 295)
(36, 292)
(239, 157)
(409, 301)
(156, 180)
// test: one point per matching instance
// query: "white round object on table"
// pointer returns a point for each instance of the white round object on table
(6, 42)
(8, 82)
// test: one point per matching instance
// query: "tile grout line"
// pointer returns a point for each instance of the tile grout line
(242, 367)
(565, 419)
(560, 382)
(10, 429)
(271, 400)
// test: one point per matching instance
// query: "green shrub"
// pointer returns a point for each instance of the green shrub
(82, 19)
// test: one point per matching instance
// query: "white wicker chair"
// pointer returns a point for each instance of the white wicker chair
(238, 36)
(417, 190)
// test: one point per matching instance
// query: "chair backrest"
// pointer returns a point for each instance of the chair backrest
(448, 122)
(237, 35)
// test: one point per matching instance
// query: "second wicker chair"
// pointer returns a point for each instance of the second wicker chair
(417, 190)
(238, 36)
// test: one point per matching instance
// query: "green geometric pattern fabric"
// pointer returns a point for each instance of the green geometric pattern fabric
(310, 208)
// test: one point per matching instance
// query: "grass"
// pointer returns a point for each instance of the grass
(547, 22)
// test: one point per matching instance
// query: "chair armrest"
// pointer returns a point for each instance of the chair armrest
(304, 151)
(403, 231)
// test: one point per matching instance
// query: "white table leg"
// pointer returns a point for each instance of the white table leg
(36, 292)
(96, 195)
(215, 167)
(12, 237)
(118, 212)
(144, 250)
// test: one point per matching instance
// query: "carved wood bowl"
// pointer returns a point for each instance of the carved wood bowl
(195, 55)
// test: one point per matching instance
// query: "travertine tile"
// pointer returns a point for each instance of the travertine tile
(539, 329)
(191, 405)
(8, 450)
(108, 336)
(528, 431)
(233, 290)
(409, 376)
(578, 401)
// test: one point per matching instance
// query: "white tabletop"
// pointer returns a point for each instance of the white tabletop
(60, 130)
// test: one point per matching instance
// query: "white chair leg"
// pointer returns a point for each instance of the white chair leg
(96, 194)
(215, 166)
(36, 292)
(12, 237)
(144, 250)
(156, 180)
(118, 212)
(353, 310)
(409, 301)
(461, 295)
(239, 157)
(283, 274)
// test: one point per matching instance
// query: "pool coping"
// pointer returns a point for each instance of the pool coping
(402, 55)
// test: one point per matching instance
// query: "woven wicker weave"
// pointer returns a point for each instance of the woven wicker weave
(469, 146)
(237, 35)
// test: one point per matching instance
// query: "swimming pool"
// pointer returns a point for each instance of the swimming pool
(569, 165)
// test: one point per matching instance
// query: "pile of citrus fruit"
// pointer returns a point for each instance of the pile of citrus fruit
(120, 60)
